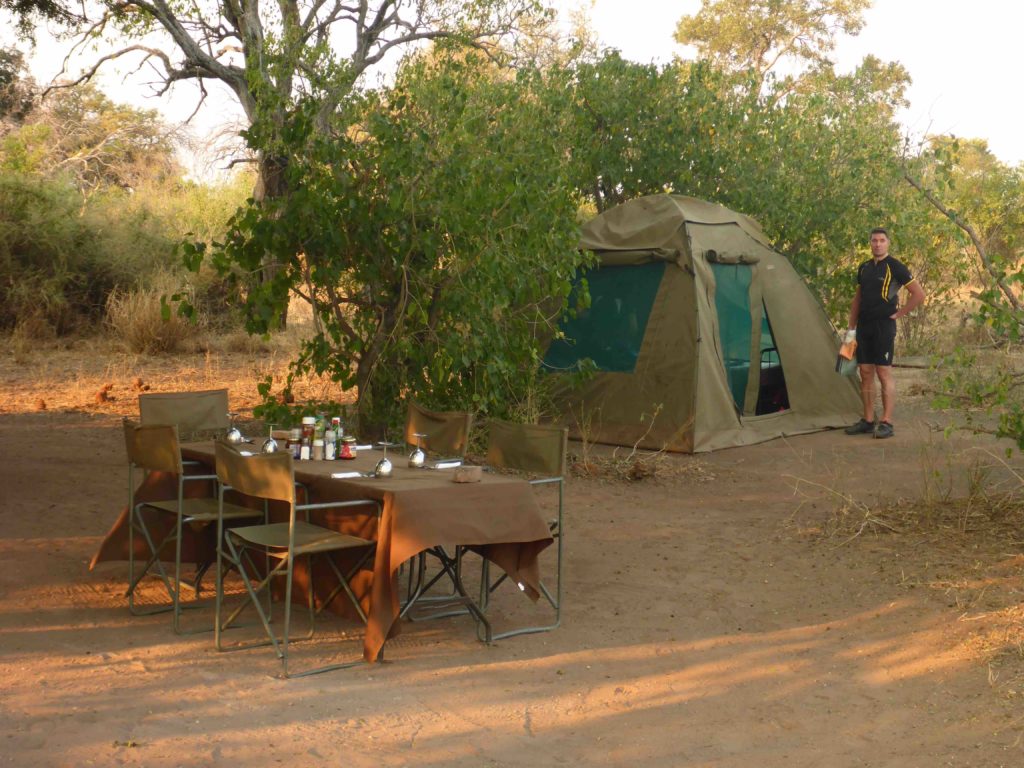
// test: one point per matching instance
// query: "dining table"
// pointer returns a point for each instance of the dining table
(420, 509)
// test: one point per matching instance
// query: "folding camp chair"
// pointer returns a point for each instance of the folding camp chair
(198, 414)
(271, 477)
(193, 413)
(445, 434)
(537, 450)
(154, 448)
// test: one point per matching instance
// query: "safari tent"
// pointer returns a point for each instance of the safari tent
(703, 336)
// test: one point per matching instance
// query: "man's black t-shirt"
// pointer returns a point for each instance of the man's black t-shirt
(880, 284)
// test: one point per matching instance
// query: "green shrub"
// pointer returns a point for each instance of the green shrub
(45, 249)
(63, 254)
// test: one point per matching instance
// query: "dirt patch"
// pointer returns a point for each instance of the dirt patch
(719, 611)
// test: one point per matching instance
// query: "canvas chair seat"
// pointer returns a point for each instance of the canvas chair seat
(155, 448)
(203, 511)
(250, 549)
(309, 539)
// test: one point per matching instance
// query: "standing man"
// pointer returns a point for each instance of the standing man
(873, 315)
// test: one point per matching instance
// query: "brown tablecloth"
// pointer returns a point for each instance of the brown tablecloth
(422, 508)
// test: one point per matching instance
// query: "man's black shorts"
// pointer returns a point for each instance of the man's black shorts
(875, 341)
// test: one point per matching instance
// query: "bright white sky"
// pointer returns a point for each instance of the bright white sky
(964, 58)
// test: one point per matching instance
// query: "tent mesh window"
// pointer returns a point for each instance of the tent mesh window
(611, 330)
(732, 302)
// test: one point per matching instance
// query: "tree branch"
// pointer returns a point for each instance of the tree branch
(954, 217)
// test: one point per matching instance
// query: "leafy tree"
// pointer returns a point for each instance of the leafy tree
(430, 232)
(640, 129)
(981, 198)
(28, 12)
(271, 56)
(17, 90)
(83, 135)
(91, 200)
(818, 168)
(756, 35)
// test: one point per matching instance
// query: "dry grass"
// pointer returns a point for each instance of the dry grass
(70, 374)
(961, 540)
(632, 465)
(135, 318)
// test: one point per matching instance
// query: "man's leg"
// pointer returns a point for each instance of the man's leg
(888, 391)
(867, 390)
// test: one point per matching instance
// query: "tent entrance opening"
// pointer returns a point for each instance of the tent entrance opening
(736, 331)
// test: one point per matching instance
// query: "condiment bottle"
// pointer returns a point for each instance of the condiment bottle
(330, 446)
(318, 449)
(308, 426)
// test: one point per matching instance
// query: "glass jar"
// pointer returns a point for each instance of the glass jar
(348, 448)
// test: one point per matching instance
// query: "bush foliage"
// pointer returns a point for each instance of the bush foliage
(93, 204)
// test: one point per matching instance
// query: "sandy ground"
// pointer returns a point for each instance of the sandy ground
(717, 614)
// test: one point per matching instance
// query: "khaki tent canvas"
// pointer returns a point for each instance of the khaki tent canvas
(703, 336)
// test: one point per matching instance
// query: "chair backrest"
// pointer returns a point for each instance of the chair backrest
(192, 412)
(447, 431)
(527, 447)
(262, 475)
(152, 446)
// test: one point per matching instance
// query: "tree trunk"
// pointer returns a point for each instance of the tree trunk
(378, 395)
(271, 184)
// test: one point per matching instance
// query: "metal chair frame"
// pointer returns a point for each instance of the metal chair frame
(487, 587)
(556, 526)
(267, 540)
(203, 511)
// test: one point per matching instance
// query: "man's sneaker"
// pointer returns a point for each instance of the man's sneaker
(862, 427)
(883, 430)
